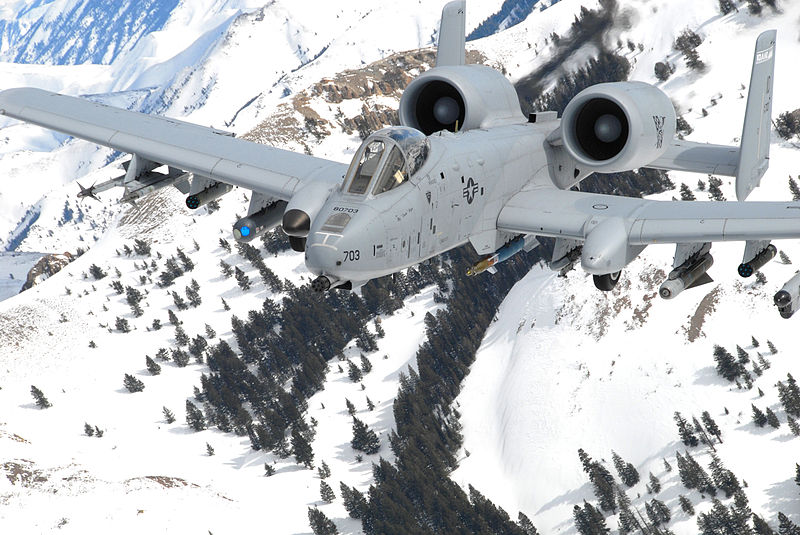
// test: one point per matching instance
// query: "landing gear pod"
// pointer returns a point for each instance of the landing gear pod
(788, 298)
(211, 193)
(607, 282)
(254, 225)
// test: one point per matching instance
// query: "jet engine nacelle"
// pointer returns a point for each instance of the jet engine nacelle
(618, 126)
(459, 98)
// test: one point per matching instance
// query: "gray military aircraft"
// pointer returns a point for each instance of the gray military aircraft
(465, 166)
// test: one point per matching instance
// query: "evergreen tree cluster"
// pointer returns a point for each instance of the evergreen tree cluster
(687, 43)
(416, 492)
(787, 125)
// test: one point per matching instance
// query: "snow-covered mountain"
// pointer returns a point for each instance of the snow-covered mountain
(561, 368)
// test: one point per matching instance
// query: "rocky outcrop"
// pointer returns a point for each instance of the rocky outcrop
(378, 86)
(45, 268)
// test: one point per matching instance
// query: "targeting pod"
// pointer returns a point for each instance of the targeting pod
(788, 298)
(211, 193)
(746, 269)
(254, 225)
(689, 274)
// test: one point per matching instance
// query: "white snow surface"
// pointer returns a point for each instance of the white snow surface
(563, 367)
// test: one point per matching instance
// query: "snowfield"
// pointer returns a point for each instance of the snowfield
(562, 367)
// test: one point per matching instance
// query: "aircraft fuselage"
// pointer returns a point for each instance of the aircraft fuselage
(454, 198)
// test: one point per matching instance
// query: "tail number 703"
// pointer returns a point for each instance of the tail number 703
(352, 256)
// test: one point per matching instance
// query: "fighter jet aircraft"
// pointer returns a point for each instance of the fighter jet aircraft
(465, 166)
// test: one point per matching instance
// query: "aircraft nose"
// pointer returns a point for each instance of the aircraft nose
(321, 258)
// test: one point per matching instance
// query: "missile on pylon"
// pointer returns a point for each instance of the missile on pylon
(788, 298)
(211, 193)
(691, 273)
(516, 245)
(254, 225)
(746, 269)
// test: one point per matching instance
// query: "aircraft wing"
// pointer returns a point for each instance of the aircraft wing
(204, 151)
(574, 215)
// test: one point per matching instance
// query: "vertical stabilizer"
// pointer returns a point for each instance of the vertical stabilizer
(754, 150)
(452, 34)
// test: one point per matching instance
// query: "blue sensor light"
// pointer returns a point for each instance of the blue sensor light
(245, 230)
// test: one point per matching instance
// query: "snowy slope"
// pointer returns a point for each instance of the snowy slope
(565, 367)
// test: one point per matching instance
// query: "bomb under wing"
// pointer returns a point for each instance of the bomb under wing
(691, 273)
(504, 253)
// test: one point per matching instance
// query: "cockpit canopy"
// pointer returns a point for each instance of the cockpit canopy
(386, 159)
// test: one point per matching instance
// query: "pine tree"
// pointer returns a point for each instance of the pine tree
(225, 304)
(88, 430)
(783, 256)
(753, 341)
(771, 347)
(188, 265)
(661, 511)
(134, 297)
(364, 438)
(209, 449)
(761, 526)
(39, 398)
(193, 295)
(686, 505)
(326, 492)
(351, 409)
(370, 404)
(97, 272)
(173, 318)
(354, 501)
(302, 449)
(655, 484)
(758, 417)
(727, 366)
(667, 466)
(181, 338)
(726, 6)
(754, 7)
(786, 526)
(589, 521)
(353, 372)
(744, 358)
(324, 470)
(227, 270)
(180, 304)
(526, 525)
(180, 357)
(269, 470)
(626, 471)
(704, 438)
(321, 524)
(772, 419)
(194, 417)
(686, 193)
(711, 425)
(723, 478)
(152, 366)
(132, 384)
(122, 325)
(210, 333)
(366, 365)
(242, 279)
(169, 416)
(793, 425)
(686, 434)
(586, 461)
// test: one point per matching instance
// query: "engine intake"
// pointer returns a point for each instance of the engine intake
(618, 126)
(459, 98)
